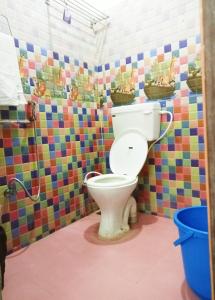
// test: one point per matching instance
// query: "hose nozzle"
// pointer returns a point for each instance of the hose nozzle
(10, 190)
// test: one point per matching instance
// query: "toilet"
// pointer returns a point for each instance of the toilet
(133, 126)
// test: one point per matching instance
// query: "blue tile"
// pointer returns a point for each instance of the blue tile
(8, 151)
(194, 163)
(153, 52)
(34, 174)
(9, 160)
(117, 63)
(85, 65)
(165, 189)
(16, 42)
(107, 67)
(167, 48)
(200, 115)
(84, 111)
(31, 140)
(54, 109)
(5, 218)
(51, 147)
(30, 47)
(55, 55)
(66, 59)
(141, 85)
(31, 82)
(201, 139)
(183, 76)
(172, 176)
(182, 43)
(204, 202)
(159, 196)
(202, 178)
(43, 52)
(48, 116)
(177, 132)
(171, 147)
(152, 188)
(49, 124)
(201, 147)
(44, 140)
(200, 106)
(5, 114)
(61, 124)
(201, 171)
(47, 171)
(100, 68)
(198, 39)
(22, 212)
(180, 191)
(158, 168)
(140, 56)
(165, 162)
(25, 158)
(14, 224)
(179, 162)
(195, 193)
(128, 60)
(193, 131)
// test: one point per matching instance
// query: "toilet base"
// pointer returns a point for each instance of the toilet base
(114, 225)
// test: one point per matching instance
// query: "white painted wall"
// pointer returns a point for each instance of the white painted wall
(35, 22)
(135, 26)
(141, 25)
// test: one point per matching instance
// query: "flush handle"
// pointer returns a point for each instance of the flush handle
(147, 112)
(130, 147)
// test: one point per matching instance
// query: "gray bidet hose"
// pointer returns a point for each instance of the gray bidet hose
(11, 188)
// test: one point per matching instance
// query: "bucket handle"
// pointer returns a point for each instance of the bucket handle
(184, 238)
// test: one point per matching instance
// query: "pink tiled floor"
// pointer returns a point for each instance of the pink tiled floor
(72, 264)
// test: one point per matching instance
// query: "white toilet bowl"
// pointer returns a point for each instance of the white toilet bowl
(111, 193)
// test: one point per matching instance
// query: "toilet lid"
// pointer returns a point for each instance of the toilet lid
(128, 153)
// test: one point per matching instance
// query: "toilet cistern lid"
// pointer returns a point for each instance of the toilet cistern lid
(128, 153)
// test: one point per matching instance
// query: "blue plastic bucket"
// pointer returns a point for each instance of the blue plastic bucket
(193, 237)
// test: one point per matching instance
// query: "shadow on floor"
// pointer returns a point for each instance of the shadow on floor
(91, 233)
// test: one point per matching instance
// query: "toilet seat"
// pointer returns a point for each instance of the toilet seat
(110, 181)
(128, 153)
(127, 157)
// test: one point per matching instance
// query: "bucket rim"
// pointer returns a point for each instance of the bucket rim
(179, 223)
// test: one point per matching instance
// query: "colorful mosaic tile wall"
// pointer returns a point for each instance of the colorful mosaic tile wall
(174, 174)
(69, 144)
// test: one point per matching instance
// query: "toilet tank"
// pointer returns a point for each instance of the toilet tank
(143, 116)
